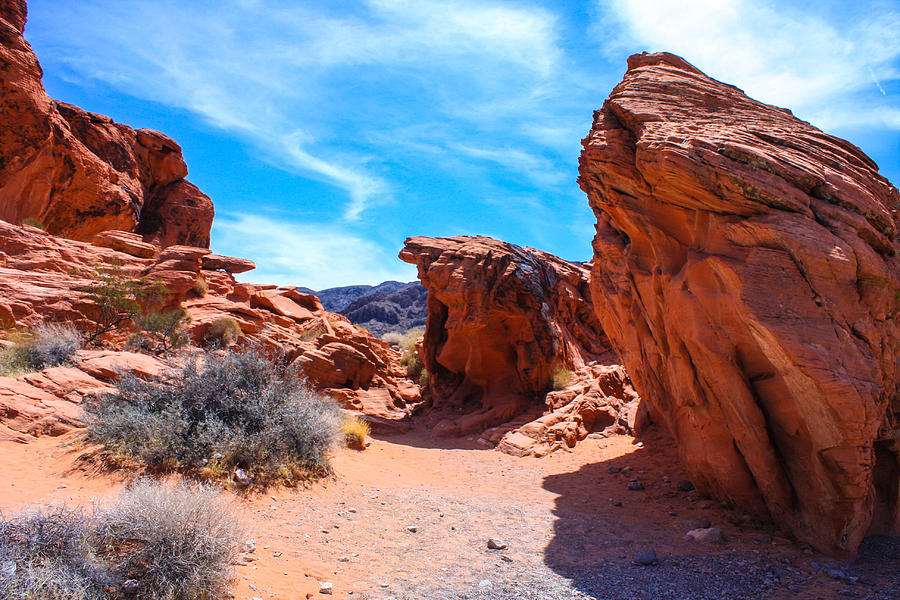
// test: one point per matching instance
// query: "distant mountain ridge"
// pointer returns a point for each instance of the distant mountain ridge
(388, 306)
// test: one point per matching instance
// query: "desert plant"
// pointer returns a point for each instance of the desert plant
(32, 222)
(47, 345)
(162, 332)
(157, 542)
(222, 332)
(424, 378)
(219, 413)
(404, 340)
(119, 299)
(560, 378)
(200, 287)
(414, 365)
(355, 431)
(169, 542)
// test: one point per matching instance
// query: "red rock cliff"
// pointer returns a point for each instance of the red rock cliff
(501, 320)
(80, 173)
(746, 271)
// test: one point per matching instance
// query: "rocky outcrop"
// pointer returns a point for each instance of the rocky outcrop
(79, 173)
(502, 322)
(43, 277)
(746, 270)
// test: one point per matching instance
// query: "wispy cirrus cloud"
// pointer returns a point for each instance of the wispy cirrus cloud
(819, 65)
(298, 82)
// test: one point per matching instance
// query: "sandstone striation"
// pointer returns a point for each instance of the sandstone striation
(746, 271)
(79, 173)
(502, 322)
(42, 279)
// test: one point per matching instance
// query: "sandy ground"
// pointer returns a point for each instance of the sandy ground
(409, 518)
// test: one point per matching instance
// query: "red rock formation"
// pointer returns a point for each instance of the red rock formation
(746, 271)
(501, 321)
(42, 277)
(79, 173)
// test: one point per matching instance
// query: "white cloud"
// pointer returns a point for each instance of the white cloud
(305, 254)
(801, 60)
(295, 81)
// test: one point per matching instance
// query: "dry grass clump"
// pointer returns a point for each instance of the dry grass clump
(156, 542)
(32, 222)
(223, 332)
(355, 432)
(216, 415)
(560, 379)
(47, 345)
(200, 287)
(404, 340)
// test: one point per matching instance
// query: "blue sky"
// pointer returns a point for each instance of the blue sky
(328, 131)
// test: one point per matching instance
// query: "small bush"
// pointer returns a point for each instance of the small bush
(200, 287)
(412, 362)
(162, 332)
(156, 543)
(223, 332)
(424, 378)
(216, 415)
(48, 345)
(404, 340)
(560, 379)
(355, 431)
(171, 542)
(119, 299)
(32, 222)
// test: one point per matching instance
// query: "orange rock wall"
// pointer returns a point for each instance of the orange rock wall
(746, 270)
(79, 173)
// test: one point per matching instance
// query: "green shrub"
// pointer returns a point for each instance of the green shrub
(32, 222)
(48, 345)
(218, 414)
(156, 543)
(162, 332)
(412, 362)
(222, 332)
(120, 299)
(560, 379)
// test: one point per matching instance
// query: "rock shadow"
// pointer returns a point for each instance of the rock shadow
(601, 525)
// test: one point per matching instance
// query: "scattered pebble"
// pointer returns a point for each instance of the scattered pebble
(635, 485)
(495, 544)
(710, 535)
(645, 559)
(684, 486)
(326, 587)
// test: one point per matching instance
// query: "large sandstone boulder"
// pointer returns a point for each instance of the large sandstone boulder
(501, 321)
(79, 173)
(745, 269)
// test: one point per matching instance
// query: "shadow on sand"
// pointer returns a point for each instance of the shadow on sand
(601, 526)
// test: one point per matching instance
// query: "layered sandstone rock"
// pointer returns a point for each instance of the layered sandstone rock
(746, 271)
(42, 278)
(80, 173)
(502, 320)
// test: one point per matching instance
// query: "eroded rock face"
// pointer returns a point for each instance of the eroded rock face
(746, 270)
(501, 321)
(79, 173)
(42, 279)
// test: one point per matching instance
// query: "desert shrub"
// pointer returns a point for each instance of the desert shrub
(170, 542)
(120, 299)
(200, 287)
(32, 222)
(560, 378)
(404, 340)
(355, 431)
(424, 378)
(414, 365)
(156, 543)
(46, 556)
(222, 332)
(162, 332)
(217, 414)
(47, 345)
